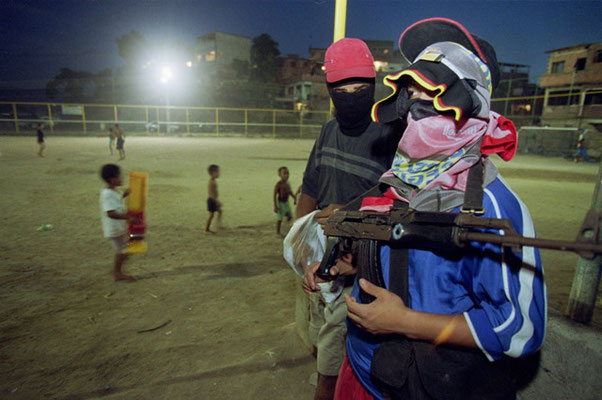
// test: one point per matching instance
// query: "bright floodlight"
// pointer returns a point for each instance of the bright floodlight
(166, 74)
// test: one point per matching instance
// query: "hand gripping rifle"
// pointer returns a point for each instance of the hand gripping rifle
(406, 228)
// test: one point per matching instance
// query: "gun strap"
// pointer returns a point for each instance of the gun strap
(473, 195)
(369, 267)
(398, 268)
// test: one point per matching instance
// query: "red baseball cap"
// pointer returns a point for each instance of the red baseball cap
(348, 58)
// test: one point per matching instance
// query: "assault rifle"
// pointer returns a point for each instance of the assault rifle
(402, 227)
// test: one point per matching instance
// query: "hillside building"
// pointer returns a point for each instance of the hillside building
(573, 87)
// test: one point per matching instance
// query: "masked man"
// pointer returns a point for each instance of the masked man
(347, 159)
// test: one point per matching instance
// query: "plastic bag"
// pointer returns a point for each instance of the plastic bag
(304, 244)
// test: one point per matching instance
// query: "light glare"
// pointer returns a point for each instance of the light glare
(166, 74)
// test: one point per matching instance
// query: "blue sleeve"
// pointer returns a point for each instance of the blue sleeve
(509, 316)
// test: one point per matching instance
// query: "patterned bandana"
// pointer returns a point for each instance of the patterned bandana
(435, 153)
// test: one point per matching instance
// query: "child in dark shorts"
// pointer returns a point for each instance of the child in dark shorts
(41, 143)
(213, 204)
(120, 135)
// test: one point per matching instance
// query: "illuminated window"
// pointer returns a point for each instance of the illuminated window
(210, 56)
(558, 67)
(386, 51)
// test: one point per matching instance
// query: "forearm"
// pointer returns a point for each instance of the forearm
(116, 215)
(388, 314)
(436, 328)
(305, 205)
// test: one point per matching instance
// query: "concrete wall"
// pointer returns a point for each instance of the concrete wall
(569, 366)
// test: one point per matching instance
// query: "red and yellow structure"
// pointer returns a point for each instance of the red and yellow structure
(138, 185)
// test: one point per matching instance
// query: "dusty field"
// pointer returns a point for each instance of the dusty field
(68, 332)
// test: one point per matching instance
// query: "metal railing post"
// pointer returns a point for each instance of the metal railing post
(217, 121)
(16, 118)
(187, 123)
(533, 107)
(507, 97)
(274, 124)
(84, 119)
(147, 121)
(158, 122)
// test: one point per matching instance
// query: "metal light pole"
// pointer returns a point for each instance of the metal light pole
(340, 13)
(340, 16)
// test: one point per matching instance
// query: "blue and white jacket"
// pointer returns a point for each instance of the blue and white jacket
(504, 303)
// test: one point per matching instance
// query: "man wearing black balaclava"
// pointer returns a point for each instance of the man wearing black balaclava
(347, 159)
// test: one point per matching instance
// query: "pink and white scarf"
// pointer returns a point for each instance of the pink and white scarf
(435, 154)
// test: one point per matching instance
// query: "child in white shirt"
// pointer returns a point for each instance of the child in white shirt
(114, 216)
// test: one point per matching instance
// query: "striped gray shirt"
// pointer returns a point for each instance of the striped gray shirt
(341, 167)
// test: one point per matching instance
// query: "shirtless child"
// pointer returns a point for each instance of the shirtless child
(282, 191)
(213, 204)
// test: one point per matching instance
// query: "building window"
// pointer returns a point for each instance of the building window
(561, 98)
(580, 64)
(593, 99)
(598, 56)
(293, 64)
(557, 67)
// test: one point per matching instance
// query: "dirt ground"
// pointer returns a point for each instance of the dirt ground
(69, 332)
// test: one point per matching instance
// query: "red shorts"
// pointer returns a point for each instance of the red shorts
(348, 386)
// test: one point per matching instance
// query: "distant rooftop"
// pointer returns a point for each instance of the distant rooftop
(577, 46)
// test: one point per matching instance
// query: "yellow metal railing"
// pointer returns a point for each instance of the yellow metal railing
(93, 119)
(152, 119)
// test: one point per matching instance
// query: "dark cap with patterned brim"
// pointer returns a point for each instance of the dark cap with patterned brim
(423, 33)
(448, 61)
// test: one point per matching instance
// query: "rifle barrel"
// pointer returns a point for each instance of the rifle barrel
(520, 241)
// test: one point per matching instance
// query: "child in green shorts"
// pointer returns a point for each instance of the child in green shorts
(282, 191)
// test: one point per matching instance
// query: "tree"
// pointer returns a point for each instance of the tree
(133, 48)
(104, 87)
(74, 86)
(240, 68)
(264, 53)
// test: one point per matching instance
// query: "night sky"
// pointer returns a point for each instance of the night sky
(40, 37)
